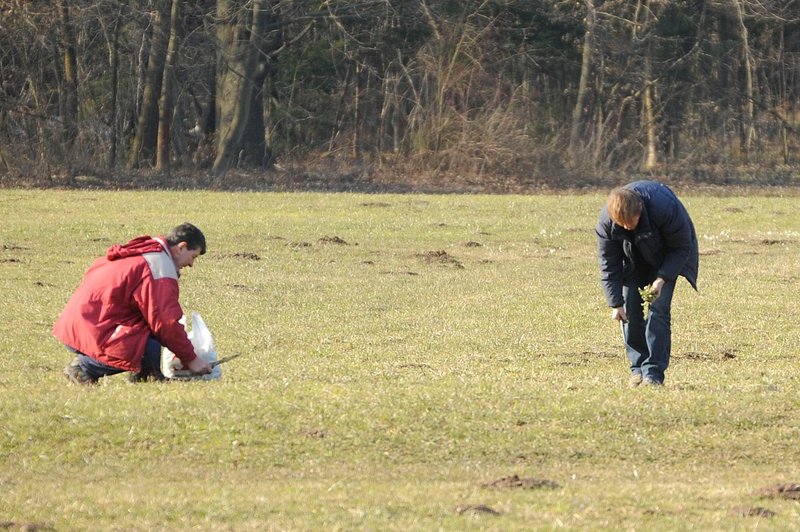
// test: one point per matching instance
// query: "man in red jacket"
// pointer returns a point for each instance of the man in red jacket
(127, 307)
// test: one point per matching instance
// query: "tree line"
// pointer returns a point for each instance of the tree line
(473, 87)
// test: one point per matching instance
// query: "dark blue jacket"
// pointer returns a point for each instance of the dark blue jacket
(664, 239)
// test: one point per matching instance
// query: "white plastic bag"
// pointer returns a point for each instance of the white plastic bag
(200, 336)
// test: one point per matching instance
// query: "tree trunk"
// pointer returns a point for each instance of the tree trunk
(145, 138)
(580, 110)
(167, 101)
(648, 114)
(114, 60)
(356, 115)
(69, 111)
(240, 42)
(749, 132)
(651, 152)
(255, 152)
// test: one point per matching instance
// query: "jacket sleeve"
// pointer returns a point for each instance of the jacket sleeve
(610, 255)
(159, 303)
(676, 229)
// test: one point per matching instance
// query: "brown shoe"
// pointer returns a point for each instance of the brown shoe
(647, 381)
(635, 380)
(75, 374)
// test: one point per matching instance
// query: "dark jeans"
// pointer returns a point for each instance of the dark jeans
(648, 341)
(151, 362)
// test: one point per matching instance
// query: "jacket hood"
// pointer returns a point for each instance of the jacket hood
(138, 246)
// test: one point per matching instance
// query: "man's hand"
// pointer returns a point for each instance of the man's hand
(655, 288)
(199, 366)
(619, 314)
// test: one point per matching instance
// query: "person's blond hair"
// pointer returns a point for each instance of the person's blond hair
(624, 206)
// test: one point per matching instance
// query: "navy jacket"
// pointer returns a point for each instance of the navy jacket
(664, 239)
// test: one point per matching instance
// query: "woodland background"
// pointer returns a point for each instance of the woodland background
(514, 92)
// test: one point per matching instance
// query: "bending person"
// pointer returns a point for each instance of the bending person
(126, 308)
(645, 237)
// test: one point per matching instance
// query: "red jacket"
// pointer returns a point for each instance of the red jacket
(125, 297)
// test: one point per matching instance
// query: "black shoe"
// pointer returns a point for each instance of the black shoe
(74, 372)
(147, 375)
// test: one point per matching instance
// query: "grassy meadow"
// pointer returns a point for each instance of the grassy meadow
(402, 357)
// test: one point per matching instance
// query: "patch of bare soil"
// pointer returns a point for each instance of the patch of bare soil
(515, 481)
(332, 240)
(585, 357)
(752, 511)
(28, 527)
(414, 365)
(244, 287)
(780, 491)
(440, 257)
(241, 255)
(475, 509)
(723, 355)
(472, 244)
(315, 433)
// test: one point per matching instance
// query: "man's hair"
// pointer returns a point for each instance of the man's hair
(190, 234)
(624, 205)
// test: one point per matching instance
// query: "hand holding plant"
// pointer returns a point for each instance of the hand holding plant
(648, 295)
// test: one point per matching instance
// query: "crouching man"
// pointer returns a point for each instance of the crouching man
(127, 308)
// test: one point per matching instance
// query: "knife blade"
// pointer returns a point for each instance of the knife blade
(222, 361)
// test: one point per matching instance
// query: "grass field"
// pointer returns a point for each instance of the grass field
(401, 356)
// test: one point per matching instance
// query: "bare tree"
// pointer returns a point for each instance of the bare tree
(166, 103)
(69, 104)
(581, 108)
(145, 138)
(240, 32)
(748, 125)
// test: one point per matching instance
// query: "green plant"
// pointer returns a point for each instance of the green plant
(648, 296)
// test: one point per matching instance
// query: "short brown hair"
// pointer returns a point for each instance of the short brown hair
(624, 206)
(190, 234)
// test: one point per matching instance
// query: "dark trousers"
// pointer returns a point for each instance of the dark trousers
(648, 341)
(151, 362)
